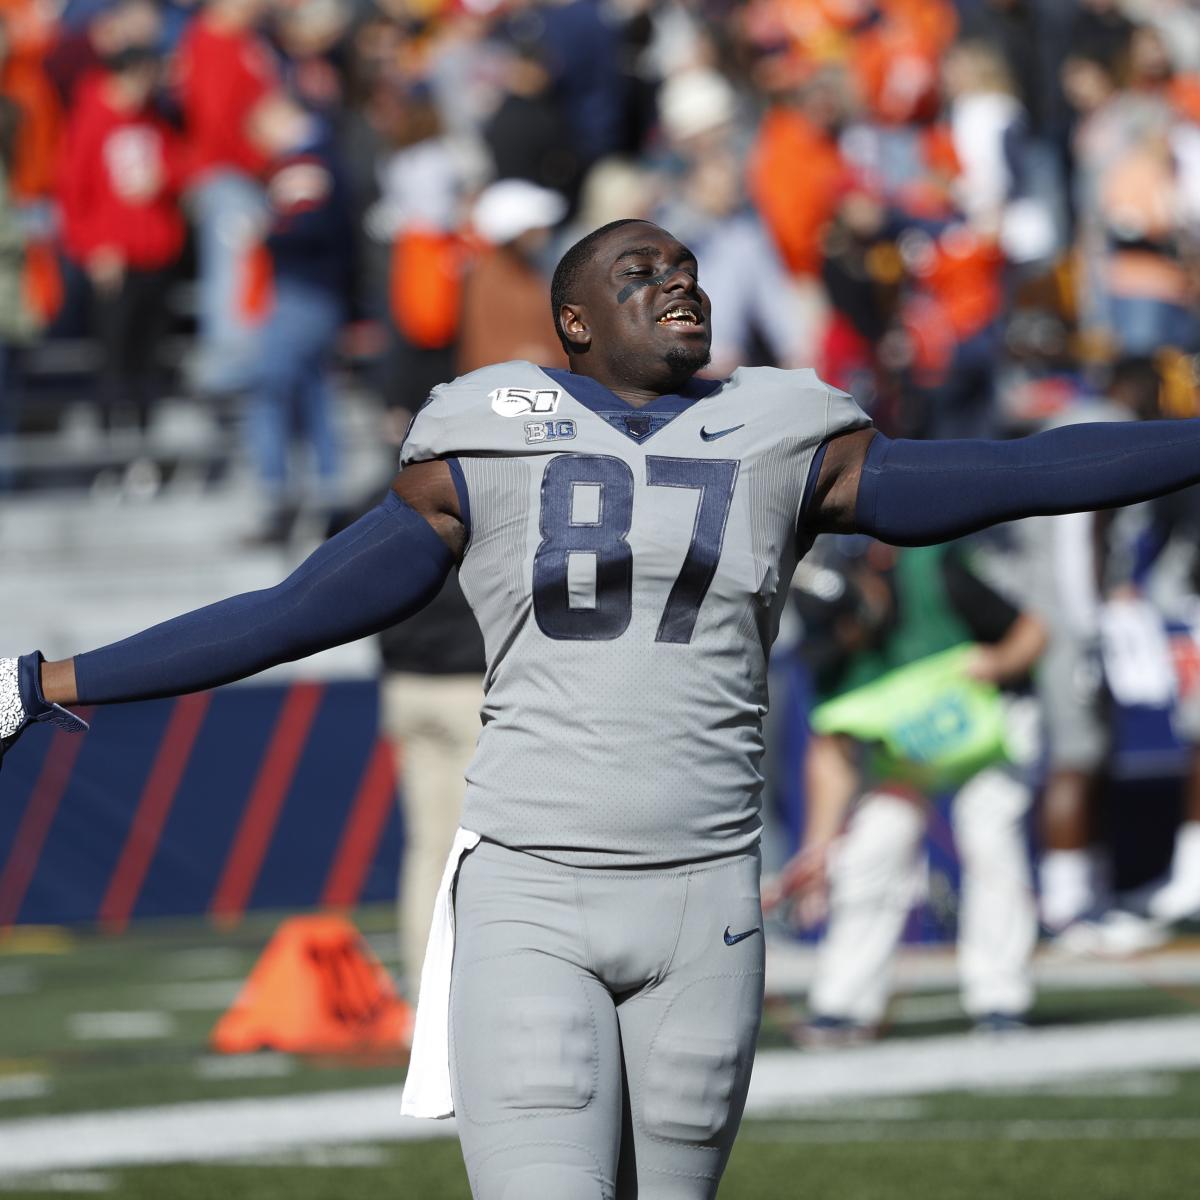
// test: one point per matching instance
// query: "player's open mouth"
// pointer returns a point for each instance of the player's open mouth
(681, 315)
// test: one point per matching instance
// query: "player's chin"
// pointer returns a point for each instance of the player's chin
(688, 359)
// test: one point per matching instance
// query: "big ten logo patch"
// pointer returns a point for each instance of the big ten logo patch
(353, 994)
(548, 431)
(517, 402)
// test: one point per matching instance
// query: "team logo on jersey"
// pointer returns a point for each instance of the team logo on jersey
(517, 402)
(548, 431)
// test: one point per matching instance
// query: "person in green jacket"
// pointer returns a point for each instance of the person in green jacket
(912, 706)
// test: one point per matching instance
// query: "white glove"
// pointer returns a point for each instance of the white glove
(22, 702)
(12, 711)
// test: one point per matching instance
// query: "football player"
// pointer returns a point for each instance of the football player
(625, 532)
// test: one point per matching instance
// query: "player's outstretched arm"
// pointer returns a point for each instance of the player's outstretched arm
(381, 569)
(913, 493)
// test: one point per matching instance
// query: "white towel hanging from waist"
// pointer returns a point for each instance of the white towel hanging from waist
(427, 1087)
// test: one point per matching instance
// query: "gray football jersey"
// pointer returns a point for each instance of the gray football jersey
(627, 568)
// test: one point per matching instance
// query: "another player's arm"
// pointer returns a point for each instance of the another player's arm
(913, 493)
(832, 781)
(384, 567)
(1011, 658)
(1009, 640)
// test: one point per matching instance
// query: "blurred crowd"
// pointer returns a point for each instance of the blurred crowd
(978, 217)
(962, 213)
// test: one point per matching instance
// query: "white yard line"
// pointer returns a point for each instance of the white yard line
(784, 1081)
(214, 995)
(60, 1181)
(264, 1065)
(120, 1026)
(209, 1131)
(27, 1085)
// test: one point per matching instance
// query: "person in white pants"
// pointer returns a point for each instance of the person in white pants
(925, 721)
(876, 876)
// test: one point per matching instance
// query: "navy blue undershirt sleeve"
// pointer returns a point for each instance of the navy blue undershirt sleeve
(915, 493)
(814, 473)
(386, 566)
(464, 497)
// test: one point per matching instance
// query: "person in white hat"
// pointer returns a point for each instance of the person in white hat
(504, 314)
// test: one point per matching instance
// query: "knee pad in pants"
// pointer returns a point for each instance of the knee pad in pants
(540, 1171)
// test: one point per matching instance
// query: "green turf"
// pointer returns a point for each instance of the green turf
(136, 972)
(943, 1170)
(1129, 1137)
(92, 973)
(763, 1167)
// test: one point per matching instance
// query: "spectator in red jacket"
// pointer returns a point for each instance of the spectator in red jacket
(225, 69)
(119, 183)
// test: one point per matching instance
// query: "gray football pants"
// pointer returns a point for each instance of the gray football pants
(602, 1030)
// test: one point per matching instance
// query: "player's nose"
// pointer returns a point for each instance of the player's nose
(680, 280)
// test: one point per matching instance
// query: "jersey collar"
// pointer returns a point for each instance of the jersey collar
(637, 424)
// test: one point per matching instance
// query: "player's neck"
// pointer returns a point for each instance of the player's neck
(636, 395)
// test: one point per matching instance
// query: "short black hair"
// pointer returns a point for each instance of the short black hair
(570, 268)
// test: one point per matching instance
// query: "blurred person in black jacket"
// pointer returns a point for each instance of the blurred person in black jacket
(528, 136)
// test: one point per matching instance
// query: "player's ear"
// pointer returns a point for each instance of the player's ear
(574, 326)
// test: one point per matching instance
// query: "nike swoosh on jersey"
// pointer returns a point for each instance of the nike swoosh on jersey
(732, 939)
(719, 433)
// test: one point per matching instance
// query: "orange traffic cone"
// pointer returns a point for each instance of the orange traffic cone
(317, 989)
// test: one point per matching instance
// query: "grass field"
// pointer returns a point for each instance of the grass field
(90, 1024)
(767, 1163)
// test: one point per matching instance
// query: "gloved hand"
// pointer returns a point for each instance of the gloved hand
(22, 702)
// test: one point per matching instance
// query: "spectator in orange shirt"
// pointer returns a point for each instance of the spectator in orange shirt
(895, 59)
(797, 176)
(225, 69)
(23, 81)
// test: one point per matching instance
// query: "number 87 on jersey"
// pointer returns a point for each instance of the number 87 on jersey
(602, 532)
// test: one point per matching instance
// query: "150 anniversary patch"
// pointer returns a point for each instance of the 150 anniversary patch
(519, 402)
